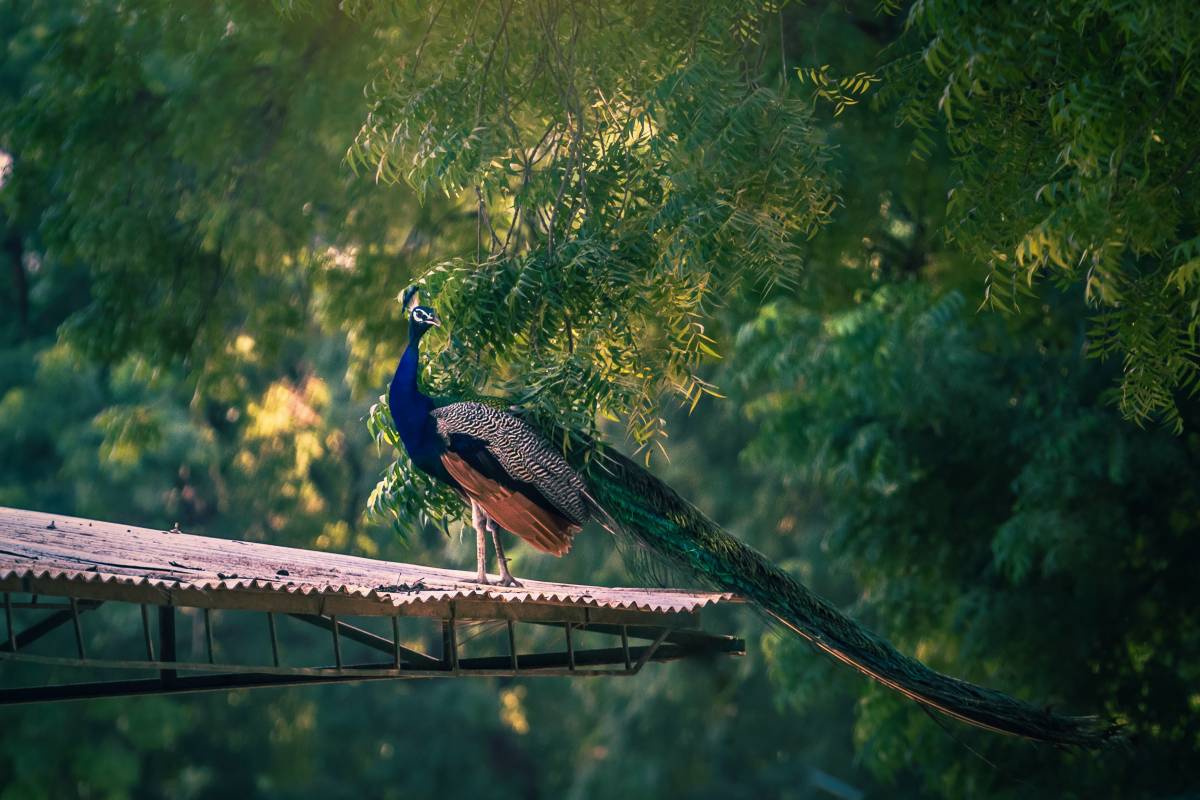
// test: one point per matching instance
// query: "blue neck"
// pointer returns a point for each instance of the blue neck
(410, 409)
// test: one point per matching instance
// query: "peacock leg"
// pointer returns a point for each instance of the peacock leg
(506, 577)
(479, 521)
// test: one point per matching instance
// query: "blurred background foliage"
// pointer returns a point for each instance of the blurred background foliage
(206, 209)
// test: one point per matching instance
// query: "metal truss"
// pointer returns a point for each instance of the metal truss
(658, 640)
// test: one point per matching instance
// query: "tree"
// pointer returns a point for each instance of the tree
(220, 196)
(1024, 536)
(599, 199)
(627, 172)
(1072, 130)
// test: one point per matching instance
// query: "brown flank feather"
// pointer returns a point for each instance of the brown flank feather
(543, 529)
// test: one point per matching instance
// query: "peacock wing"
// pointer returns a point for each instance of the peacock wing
(519, 479)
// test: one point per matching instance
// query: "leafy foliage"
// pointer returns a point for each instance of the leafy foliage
(1041, 541)
(626, 172)
(1073, 132)
(223, 199)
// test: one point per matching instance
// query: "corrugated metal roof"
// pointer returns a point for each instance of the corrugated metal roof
(111, 559)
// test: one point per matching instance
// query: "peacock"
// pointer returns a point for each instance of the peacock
(514, 479)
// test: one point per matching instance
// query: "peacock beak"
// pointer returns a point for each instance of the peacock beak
(436, 321)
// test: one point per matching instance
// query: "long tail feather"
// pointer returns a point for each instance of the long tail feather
(651, 512)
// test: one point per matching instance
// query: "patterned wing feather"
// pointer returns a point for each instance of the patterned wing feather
(510, 469)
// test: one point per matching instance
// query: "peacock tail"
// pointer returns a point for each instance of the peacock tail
(648, 510)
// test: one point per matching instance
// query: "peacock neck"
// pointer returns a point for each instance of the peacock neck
(410, 408)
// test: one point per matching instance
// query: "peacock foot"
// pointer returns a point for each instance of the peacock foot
(508, 580)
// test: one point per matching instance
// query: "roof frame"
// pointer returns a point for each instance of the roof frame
(85, 565)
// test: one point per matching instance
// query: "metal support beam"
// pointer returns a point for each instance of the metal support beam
(648, 652)
(559, 662)
(208, 634)
(532, 665)
(396, 641)
(166, 641)
(450, 642)
(146, 633)
(149, 686)
(683, 636)
(78, 629)
(12, 632)
(44, 626)
(337, 642)
(414, 657)
(274, 639)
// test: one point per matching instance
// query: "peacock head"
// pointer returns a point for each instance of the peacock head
(420, 318)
